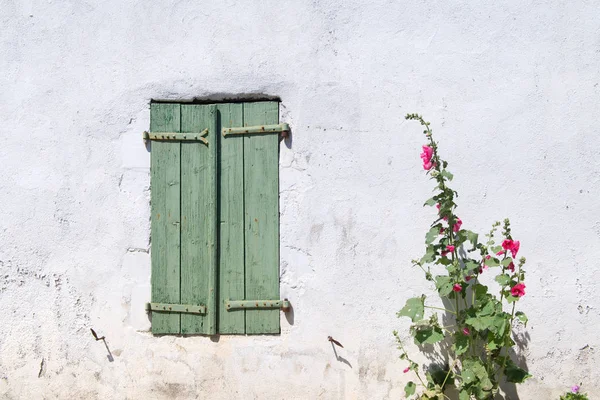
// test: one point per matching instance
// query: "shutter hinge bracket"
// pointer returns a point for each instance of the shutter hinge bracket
(236, 305)
(284, 129)
(180, 308)
(177, 136)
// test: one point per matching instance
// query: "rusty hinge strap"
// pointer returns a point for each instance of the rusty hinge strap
(233, 305)
(178, 136)
(283, 128)
(180, 308)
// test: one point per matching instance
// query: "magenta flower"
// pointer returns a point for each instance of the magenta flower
(427, 152)
(511, 267)
(457, 287)
(515, 248)
(575, 389)
(426, 157)
(512, 245)
(467, 278)
(406, 369)
(450, 248)
(466, 331)
(518, 290)
(457, 225)
(500, 252)
(438, 206)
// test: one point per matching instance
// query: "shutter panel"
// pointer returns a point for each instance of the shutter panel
(165, 219)
(199, 219)
(231, 214)
(261, 209)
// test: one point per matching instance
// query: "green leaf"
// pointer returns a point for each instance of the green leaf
(447, 174)
(522, 317)
(511, 299)
(480, 323)
(443, 284)
(464, 395)
(468, 376)
(461, 344)
(506, 261)
(429, 255)
(497, 249)
(433, 234)
(480, 292)
(410, 388)
(428, 335)
(503, 279)
(515, 374)
(414, 309)
(492, 262)
(431, 202)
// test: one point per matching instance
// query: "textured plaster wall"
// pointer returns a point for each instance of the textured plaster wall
(512, 90)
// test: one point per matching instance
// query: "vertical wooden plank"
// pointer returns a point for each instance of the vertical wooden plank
(231, 214)
(261, 204)
(199, 219)
(165, 220)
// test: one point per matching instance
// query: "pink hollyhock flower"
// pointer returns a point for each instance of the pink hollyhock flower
(511, 267)
(500, 253)
(515, 248)
(488, 257)
(457, 225)
(444, 253)
(450, 248)
(575, 389)
(427, 166)
(512, 245)
(468, 278)
(518, 290)
(428, 151)
(438, 206)
(457, 287)
(466, 331)
(406, 369)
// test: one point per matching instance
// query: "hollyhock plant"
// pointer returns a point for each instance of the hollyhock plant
(478, 324)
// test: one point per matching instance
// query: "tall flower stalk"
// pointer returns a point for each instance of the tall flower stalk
(482, 323)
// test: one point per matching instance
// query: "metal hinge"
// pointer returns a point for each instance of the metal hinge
(177, 136)
(283, 128)
(236, 305)
(180, 308)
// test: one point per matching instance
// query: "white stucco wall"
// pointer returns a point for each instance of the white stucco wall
(512, 91)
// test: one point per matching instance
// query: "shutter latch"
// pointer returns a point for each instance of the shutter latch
(236, 305)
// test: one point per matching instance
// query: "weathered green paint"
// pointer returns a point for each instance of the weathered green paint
(199, 220)
(256, 129)
(165, 221)
(178, 308)
(188, 136)
(261, 209)
(256, 304)
(231, 215)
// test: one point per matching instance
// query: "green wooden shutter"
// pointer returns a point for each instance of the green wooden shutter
(184, 218)
(249, 215)
(215, 218)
